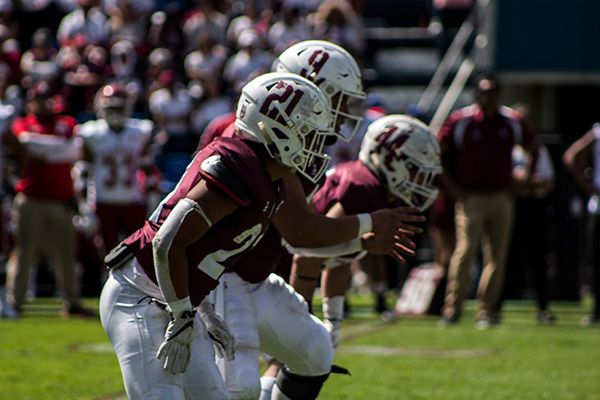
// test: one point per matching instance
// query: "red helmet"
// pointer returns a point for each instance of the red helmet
(113, 104)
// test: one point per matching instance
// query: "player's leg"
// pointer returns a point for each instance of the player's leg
(135, 326)
(235, 302)
(334, 284)
(305, 276)
(293, 336)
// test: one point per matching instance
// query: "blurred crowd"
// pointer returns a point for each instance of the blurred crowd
(182, 64)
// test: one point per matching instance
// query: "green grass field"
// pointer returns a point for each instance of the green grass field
(43, 356)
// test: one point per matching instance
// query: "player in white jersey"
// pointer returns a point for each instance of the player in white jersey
(116, 149)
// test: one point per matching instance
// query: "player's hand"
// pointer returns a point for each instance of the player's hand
(398, 246)
(176, 347)
(219, 332)
(389, 220)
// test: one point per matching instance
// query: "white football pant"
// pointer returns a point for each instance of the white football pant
(136, 327)
(270, 317)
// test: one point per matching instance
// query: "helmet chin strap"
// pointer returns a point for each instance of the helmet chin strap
(270, 145)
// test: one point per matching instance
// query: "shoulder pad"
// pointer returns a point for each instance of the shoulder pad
(216, 172)
(143, 125)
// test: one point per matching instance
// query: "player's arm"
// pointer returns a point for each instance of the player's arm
(189, 220)
(302, 228)
(576, 158)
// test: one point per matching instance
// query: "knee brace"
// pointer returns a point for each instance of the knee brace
(297, 387)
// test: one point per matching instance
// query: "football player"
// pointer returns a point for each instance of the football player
(115, 148)
(154, 303)
(398, 161)
(262, 311)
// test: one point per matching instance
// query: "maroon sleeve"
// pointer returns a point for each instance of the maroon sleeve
(247, 175)
(356, 198)
(353, 186)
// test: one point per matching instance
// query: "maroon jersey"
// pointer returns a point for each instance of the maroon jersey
(269, 254)
(256, 265)
(478, 149)
(355, 187)
(235, 234)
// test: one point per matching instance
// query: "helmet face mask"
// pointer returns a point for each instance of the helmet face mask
(290, 116)
(112, 104)
(403, 152)
(336, 73)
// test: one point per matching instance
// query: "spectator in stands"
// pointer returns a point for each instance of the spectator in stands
(159, 61)
(165, 30)
(292, 28)
(529, 238)
(171, 106)
(126, 22)
(336, 21)
(578, 158)
(250, 60)
(249, 19)
(87, 20)
(89, 68)
(476, 144)
(207, 59)
(206, 17)
(214, 104)
(10, 53)
(39, 62)
(44, 204)
(124, 70)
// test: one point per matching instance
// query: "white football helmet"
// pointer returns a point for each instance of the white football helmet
(112, 103)
(336, 73)
(290, 116)
(405, 155)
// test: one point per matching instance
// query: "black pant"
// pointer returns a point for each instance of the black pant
(528, 250)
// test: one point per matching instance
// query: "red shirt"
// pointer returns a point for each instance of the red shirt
(477, 150)
(42, 180)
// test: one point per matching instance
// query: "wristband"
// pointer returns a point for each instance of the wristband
(365, 223)
(178, 306)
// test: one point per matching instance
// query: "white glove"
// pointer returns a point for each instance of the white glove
(333, 327)
(219, 332)
(176, 348)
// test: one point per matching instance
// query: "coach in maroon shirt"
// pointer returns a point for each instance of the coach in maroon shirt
(476, 144)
